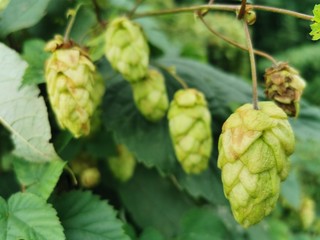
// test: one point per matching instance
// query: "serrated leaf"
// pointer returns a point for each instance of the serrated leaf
(85, 216)
(21, 14)
(27, 216)
(38, 178)
(315, 27)
(154, 201)
(22, 111)
(34, 54)
(202, 224)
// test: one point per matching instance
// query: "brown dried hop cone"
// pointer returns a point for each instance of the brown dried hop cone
(150, 96)
(74, 88)
(190, 129)
(284, 85)
(127, 49)
(253, 155)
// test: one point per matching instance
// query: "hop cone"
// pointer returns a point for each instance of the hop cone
(127, 49)
(284, 85)
(150, 96)
(74, 88)
(123, 165)
(190, 129)
(307, 212)
(253, 155)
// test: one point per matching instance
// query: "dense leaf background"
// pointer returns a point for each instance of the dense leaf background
(42, 168)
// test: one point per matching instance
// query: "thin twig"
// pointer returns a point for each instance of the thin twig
(98, 13)
(253, 67)
(242, 10)
(228, 40)
(223, 7)
(72, 13)
(134, 9)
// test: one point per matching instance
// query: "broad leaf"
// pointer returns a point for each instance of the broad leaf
(27, 216)
(22, 111)
(151, 234)
(202, 224)
(34, 73)
(154, 201)
(38, 178)
(85, 216)
(21, 14)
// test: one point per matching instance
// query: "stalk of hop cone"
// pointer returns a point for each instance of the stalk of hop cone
(74, 88)
(123, 165)
(284, 85)
(190, 130)
(127, 49)
(253, 155)
(150, 96)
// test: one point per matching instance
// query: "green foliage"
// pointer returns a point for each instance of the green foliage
(21, 14)
(26, 216)
(84, 216)
(315, 27)
(22, 112)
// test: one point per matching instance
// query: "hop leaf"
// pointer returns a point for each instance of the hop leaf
(127, 49)
(150, 96)
(74, 88)
(315, 27)
(190, 130)
(285, 86)
(253, 155)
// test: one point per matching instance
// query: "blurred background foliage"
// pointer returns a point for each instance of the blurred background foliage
(160, 201)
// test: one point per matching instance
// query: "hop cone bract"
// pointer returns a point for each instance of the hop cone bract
(127, 49)
(74, 88)
(253, 155)
(190, 130)
(150, 96)
(284, 85)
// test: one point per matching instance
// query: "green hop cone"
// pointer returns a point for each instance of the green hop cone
(307, 212)
(123, 165)
(253, 155)
(285, 86)
(127, 49)
(74, 88)
(190, 130)
(150, 96)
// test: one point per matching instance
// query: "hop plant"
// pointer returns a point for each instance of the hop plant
(90, 177)
(285, 86)
(150, 96)
(123, 165)
(253, 155)
(74, 88)
(127, 49)
(307, 212)
(190, 130)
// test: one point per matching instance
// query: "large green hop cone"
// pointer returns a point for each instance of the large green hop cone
(127, 49)
(284, 85)
(150, 96)
(74, 88)
(253, 155)
(190, 130)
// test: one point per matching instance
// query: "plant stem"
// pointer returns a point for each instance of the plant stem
(228, 40)
(253, 68)
(98, 13)
(242, 10)
(224, 7)
(72, 13)
(134, 9)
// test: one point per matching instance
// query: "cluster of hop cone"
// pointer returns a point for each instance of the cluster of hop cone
(254, 145)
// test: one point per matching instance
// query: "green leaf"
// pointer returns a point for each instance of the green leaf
(202, 224)
(27, 216)
(154, 201)
(38, 178)
(22, 111)
(315, 27)
(21, 14)
(151, 234)
(34, 54)
(85, 216)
